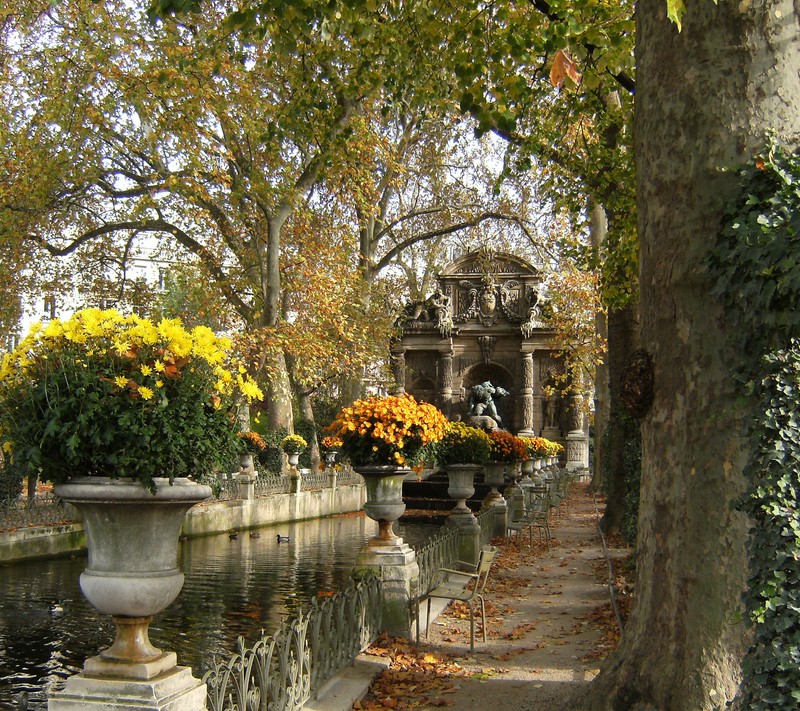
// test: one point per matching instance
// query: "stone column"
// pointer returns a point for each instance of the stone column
(295, 482)
(445, 380)
(247, 486)
(526, 393)
(577, 442)
(397, 356)
(494, 476)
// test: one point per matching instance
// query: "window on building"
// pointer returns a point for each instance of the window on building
(50, 306)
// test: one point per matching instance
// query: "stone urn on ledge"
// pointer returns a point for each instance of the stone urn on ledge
(132, 574)
(494, 475)
(100, 404)
(461, 479)
(381, 436)
(384, 504)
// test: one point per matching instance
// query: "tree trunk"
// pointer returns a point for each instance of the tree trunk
(707, 98)
(623, 339)
(307, 413)
(598, 228)
(279, 389)
(279, 395)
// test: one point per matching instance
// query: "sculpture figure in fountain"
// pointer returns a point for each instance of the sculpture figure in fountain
(482, 401)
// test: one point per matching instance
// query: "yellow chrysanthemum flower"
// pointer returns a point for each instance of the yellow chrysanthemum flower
(122, 347)
(120, 381)
(145, 392)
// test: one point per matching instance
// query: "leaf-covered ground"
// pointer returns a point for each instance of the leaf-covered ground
(550, 622)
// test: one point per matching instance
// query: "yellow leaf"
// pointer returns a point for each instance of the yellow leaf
(675, 10)
(562, 68)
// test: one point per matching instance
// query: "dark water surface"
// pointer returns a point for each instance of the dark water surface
(233, 588)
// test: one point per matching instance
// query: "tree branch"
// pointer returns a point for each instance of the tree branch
(209, 261)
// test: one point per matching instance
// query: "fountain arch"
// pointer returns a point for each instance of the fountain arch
(483, 322)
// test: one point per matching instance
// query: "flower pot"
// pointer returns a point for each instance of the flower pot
(330, 457)
(461, 478)
(132, 572)
(294, 457)
(527, 467)
(494, 475)
(384, 499)
(246, 465)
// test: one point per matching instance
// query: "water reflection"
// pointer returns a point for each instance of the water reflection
(233, 588)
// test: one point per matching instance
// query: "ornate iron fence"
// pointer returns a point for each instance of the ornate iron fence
(228, 488)
(268, 484)
(486, 522)
(441, 551)
(44, 510)
(318, 480)
(282, 671)
(347, 477)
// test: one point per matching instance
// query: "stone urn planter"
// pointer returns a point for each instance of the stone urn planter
(494, 474)
(246, 464)
(132, 572)
(293, 457)
(461, 479)
(384, 503)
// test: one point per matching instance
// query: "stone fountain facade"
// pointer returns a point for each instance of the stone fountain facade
(484, 323)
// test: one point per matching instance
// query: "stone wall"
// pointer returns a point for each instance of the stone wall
(204, 519)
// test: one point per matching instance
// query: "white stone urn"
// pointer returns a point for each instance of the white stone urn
(527, 469)
(494, 474)
(293, 457)
(132, 572)
(461, 480)
(246, 465)
(384, 503)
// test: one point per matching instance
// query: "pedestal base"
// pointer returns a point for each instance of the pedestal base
(577, 451)
(396, 565)
(469, 535)
(101, 666)
(175, 690)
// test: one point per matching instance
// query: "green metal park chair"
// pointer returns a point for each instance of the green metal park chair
(466, 585)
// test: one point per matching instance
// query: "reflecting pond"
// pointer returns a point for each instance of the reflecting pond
(234, 587)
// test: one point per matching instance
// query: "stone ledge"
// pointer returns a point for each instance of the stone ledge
(349, 685)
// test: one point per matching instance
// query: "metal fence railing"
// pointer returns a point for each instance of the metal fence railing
(486, 522)
(319, 480)
(441, 551)
(269, 484)
(348, 477)
(281, 672)
(44, 510)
